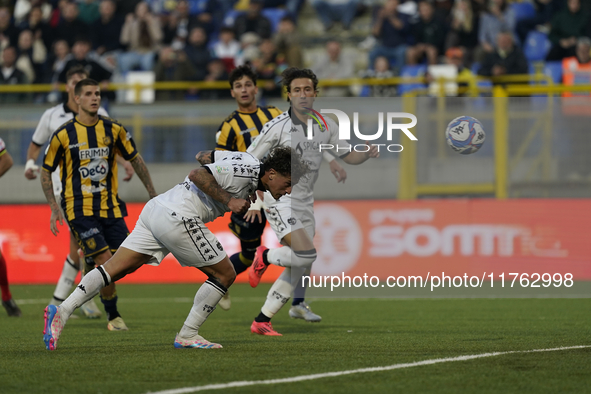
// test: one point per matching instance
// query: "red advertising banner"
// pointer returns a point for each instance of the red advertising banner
(381, 238)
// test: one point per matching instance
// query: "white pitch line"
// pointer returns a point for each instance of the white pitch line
(301, 378)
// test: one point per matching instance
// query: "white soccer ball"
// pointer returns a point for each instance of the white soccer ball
(465, 135)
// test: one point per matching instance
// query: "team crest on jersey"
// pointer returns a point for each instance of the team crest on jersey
(222, 169)
(91, 243)
(107, 140)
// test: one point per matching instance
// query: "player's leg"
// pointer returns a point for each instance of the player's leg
(69, 273)
(7, 302)
(124, 261)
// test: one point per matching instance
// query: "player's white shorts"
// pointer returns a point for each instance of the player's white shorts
(284, 219)
(159, 231)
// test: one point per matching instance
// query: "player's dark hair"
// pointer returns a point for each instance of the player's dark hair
(242, 71)
(75, 70)
(294, 73)
(83, 83)
(287, 162)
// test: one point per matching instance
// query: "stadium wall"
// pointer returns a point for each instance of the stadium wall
(381, 238)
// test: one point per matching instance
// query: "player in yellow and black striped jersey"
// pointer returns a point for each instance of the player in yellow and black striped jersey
(85, 149)
(242, 126)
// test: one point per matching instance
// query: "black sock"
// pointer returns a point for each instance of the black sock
(265, 253)
(111, 308)
(262, 318)
(239, 266)
(297, 301)
(249, 248)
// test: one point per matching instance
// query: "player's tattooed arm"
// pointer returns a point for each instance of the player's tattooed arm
(56, 214)
(141, 170)
(208, 185)
(205, 157)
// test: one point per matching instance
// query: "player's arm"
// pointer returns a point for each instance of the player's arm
(56, 214)
(337, 170)
(31, 169)
(42, 133)
(139, 165)
(360, 157)
(126, 166)
(206, 182)
(264, 142)
(205, 157)
(5, 161)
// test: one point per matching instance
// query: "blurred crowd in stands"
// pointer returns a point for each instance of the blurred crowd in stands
(203, 40)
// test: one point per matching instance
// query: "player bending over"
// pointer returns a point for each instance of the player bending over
(174, 222)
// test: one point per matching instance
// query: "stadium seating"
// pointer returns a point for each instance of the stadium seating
(274, 15)
(412, 71)
(523, 10)
(554, 69)
(536, 46)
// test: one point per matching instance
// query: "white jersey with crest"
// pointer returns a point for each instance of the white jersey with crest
(282, 131)
(50, 121)
(236, 172)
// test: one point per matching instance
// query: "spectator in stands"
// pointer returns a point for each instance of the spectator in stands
(227, 48)
(198, 53)
(11, 75)
(216, 71)
(507, 58)
(173, 66)
(70, 28)
(8, 33)
(287, 42)
(89, 11)
(464, 27)
(253, 21)
(334, 65)
(125, 7)
(567, 26)
(331, 11)
(106, 31)
(40, 29)
(32, 55)
(392, 30)
(429, 34)
(269, 66)
(380, 69)
(249, 48)
(97, 69)
(22, 9)
(580, 62)
(142, 35)
(545, 9)
(292, 6)
(57, 61)
(499, 17)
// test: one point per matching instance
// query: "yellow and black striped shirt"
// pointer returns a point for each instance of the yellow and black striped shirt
(88, 169)
(240, 128)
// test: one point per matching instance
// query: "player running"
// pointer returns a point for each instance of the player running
(85, 149)
(174, 222)
(292, 217)
(7, 302)
(51, 120)
(236, 134)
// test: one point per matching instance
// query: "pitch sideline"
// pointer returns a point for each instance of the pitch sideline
(352, 371)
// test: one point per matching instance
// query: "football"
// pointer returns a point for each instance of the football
(465, 135)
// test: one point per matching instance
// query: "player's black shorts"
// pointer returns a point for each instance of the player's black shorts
(246, 231)
(96, 235)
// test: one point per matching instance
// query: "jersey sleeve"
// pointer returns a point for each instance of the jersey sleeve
(53, 154)
(226, 138)
(125, 144)
(264, 142)
(43, 133)
(223, 172)
(2, 147)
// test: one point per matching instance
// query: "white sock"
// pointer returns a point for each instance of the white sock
(206, 299)
(89, 287)
(286, 257)
(65, 282)
(278, 295)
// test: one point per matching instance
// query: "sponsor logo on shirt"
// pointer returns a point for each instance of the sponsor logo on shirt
(78, 145)
(93, 153)
(96, 170)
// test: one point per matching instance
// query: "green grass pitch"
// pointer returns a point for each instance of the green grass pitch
(354, 334)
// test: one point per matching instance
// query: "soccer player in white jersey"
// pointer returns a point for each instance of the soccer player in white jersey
(174, 222)
(292, 217)
(51, 120)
